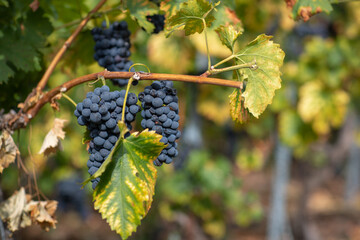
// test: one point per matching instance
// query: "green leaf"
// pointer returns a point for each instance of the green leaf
(18, 51)
(5, 70)
(127, 180)
(229, 35)
(21, 48)
(306, 8)
(139, 10)
(264, 77)
(190, 17)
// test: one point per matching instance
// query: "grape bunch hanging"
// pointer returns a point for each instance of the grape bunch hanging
(161, 114)
(112, 48)
(99, 112)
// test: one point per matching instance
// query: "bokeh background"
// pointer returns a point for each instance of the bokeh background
(294, 173)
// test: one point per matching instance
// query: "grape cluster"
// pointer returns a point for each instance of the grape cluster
(161, 114)
(99, 112)
(112, 48)
(158, 20)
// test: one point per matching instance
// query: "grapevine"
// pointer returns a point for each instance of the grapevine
(121, 161)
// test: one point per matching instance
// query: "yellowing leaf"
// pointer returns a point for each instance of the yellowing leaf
(190, 17)
(264, 77)
(321, 107)
(12, 211)
(127, 180)
(229, 35)
(52, 140)
(237, 110)
(8, 150)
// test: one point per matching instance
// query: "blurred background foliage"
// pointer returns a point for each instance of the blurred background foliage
(219, 187)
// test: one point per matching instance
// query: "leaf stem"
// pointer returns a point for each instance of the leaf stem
(69, 99)
(224, 60)
(125, 99)
(240, 66)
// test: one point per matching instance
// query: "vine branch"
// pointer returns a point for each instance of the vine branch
(21, 119)
(65, 46)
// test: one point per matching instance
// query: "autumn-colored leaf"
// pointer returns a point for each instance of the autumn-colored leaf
(264, 78)
(127, 180)
(8, 150)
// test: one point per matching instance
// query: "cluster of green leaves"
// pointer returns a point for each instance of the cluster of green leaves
(22, 37)
(208, 188)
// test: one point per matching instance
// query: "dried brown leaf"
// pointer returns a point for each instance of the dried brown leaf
(12, 211)
(8, 150)
(52, 140)
(43, 213)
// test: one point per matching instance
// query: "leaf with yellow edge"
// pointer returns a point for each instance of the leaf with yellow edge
(264, 77)
(127, 180)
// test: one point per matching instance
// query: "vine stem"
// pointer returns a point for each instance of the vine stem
(66, 45)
